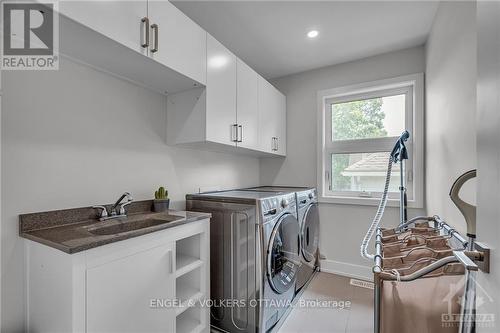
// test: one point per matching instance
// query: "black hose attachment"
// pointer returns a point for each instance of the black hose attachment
(399, 151)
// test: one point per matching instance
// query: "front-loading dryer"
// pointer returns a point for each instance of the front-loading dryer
(308, 216)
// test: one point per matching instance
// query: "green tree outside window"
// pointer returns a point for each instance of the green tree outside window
(354, 120)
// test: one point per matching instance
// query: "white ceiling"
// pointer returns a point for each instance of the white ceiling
(271, 35)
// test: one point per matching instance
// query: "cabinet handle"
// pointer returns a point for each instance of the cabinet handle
(170, 261)
(240, 132)
(234, 132)
(145, 27)
(154, 27)
(274, 146)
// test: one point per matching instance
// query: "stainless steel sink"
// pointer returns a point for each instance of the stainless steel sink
(119, 227)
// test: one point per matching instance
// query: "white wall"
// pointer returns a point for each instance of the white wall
(450, 107)
(77, 137)
(1, 94)
(342, 226)
(488, 152)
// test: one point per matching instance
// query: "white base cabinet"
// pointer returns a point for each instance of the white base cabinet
(119, 293)
(141, 284)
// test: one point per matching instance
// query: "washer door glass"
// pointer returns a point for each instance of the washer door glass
(282, 255)
(310, 233)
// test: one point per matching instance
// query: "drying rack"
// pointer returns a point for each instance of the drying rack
(472, 255)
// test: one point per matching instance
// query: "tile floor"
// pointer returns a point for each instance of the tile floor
(358, 318)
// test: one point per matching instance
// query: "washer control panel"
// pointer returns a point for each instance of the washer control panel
(284, 203)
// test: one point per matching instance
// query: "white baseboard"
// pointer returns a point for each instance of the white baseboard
(345, 269)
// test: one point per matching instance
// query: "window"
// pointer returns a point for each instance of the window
(358, 126)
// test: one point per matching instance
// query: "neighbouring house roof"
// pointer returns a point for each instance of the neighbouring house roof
(372, 165)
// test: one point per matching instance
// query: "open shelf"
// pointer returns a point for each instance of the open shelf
(188, 255)
(188, 290)
(186, 264)
(189, 321)
(186, 304)
(190, 284)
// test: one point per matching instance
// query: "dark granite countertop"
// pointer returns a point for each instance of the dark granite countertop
(76, 230)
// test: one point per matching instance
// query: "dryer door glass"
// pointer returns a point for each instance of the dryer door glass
(310, 233)
(282, 258)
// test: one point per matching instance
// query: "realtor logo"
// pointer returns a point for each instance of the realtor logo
(30, 36)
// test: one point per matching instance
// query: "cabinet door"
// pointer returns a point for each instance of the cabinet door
(221, 93)
(270, 126)
(119, 293)
(118, 20)
(181, 42)
(281, 102)
(247, 109)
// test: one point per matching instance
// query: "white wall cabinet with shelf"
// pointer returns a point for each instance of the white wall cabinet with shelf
(152, 43)
(123, 286)
(172, 46)
(207, 116)
(236, 112)
(220, 102)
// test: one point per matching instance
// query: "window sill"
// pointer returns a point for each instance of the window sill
(365, 201)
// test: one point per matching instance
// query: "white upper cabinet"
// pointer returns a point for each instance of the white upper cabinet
(176, 41)
(272, 119)
(237, 109)
(247, 109)
(155, 28)
(282, 121)
(220, 94)
(122, 21)
(267, 117)
(214, 98)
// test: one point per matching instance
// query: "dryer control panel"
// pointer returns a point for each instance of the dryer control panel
(305, 198)
(274, 207)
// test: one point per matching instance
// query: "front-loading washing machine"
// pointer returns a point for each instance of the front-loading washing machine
(254, 256)
(308, 216)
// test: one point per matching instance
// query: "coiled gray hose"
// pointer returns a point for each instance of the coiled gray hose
(378, 216)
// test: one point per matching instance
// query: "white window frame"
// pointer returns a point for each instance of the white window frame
(411, 85)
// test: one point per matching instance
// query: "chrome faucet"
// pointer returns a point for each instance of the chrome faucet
(122, 206)
(113, 211)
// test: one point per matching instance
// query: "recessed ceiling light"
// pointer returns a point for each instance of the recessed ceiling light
(217, 61)
(313, 34)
